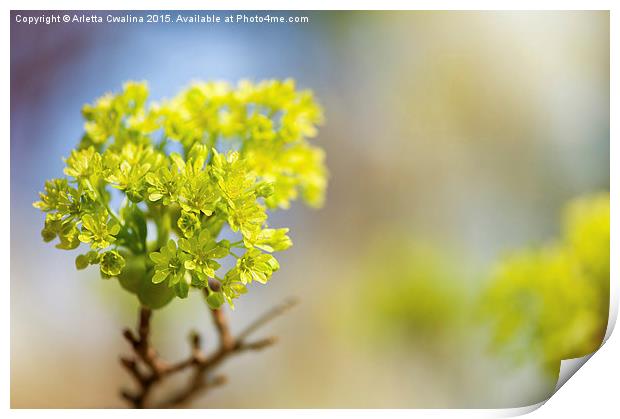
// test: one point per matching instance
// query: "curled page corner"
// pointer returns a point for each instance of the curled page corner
(520, 411)
(568, 368)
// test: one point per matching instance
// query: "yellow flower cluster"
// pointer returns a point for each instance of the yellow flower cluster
(243, 150)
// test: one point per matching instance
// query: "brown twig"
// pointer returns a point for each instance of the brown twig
(146, 358)
(144, 352)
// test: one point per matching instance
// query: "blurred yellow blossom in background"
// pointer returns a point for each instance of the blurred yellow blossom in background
(553, 301)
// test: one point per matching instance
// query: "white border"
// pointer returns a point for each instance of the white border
(594, 390)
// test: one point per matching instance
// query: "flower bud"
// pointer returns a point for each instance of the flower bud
(264, 189)
(214, 285)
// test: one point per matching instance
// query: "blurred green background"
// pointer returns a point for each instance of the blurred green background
(453, 140)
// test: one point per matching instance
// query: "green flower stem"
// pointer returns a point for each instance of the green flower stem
(104, 202)
(163, 223)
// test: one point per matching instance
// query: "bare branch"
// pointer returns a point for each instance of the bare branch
(201, 364)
